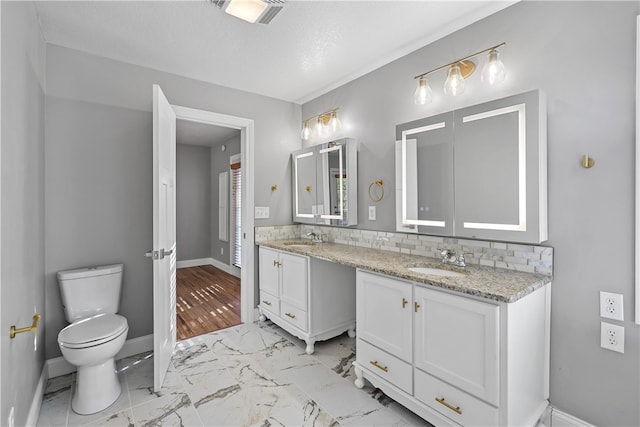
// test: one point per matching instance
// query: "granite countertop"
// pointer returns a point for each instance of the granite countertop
(487, 282)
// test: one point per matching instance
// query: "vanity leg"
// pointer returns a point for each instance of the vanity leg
(310, 346)
(359, 382)
(352, 331)
(262, 317)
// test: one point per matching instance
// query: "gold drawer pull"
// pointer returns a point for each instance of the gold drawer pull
(455, 409)
(404, 303)
(416, 306)
(293, 316)
(276, 263)
(379, 366)
(266, 302)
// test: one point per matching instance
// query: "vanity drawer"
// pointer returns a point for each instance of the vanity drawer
(453, 403)
(384, 365)
(269, 302)
(293, 315)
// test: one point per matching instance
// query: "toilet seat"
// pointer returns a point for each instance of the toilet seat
(93, 331)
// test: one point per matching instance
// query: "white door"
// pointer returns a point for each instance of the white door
(164, 235)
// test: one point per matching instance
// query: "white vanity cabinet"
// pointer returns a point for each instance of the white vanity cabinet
(469, 361)
(309, 298)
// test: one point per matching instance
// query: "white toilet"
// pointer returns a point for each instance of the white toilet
(90, 298)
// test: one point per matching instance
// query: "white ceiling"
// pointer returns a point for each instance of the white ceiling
(310, 47)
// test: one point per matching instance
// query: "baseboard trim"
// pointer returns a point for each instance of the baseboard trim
(562, 419)
(229, 269)
(194, 262)
(36, 403)
(58, 366)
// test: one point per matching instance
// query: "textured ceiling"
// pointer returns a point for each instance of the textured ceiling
(309, 48)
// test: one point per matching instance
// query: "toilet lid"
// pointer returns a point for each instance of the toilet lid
(92, 331)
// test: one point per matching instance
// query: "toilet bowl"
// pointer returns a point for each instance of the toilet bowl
(91, 344)
(90, 298)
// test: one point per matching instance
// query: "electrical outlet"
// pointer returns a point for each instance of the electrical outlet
(612, 337)
(611, 306)
(372, 213)
(221, 251)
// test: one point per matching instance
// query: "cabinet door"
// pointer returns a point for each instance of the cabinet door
(383, 313)
(269, 270)
(304, 186)
(500, 170)
(294, 280)
(457, 340)
(426, 174)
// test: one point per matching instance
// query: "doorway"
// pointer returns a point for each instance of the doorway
(208, 228)
(245, 127)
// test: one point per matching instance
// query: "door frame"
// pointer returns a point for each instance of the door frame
(246, 127)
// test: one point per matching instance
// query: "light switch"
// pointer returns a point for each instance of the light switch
(261, 212)
(372, 213)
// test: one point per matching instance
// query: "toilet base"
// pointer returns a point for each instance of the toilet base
(97, 387)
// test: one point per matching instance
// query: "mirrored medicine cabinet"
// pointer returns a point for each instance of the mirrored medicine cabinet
(477, 172)
(325, 182)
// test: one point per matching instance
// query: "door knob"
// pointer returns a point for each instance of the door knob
(160, 254)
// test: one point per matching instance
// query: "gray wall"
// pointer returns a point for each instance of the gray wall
(98, 203)
(220, 163)
(582, 54)
(22, 211)
(99, 168)
(193, 201)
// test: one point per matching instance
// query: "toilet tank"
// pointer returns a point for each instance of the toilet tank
(89, 291)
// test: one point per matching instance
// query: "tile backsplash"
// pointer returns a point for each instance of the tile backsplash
(510, 256)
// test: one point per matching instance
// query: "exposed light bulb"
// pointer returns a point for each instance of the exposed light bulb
(455, 82)
(334, 122)
(306, 131)
(423, 94)
(319, 126)
(493, 70)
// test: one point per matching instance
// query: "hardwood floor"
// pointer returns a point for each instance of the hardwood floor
(208, 299)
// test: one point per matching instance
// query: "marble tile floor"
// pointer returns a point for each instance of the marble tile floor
(249, 375)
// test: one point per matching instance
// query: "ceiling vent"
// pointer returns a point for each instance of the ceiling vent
(273, 8)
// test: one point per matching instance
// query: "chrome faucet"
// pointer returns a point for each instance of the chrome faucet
(315, 237)
(449, 257)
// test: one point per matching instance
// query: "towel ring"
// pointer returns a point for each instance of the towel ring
(376, 190)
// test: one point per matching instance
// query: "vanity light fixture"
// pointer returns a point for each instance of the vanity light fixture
(492, 72)
(327, 121)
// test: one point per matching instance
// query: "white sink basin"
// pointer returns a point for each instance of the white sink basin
(435, 272)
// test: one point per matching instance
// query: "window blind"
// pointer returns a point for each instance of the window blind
(236, 215)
